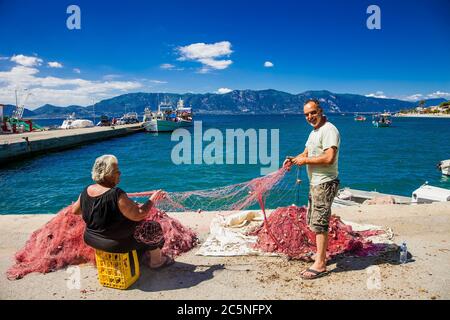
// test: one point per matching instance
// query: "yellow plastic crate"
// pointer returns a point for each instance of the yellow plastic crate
(117, 270)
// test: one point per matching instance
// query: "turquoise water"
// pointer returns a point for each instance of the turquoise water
(393, 160)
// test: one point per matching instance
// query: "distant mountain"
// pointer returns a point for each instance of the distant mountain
(235, 102)
(258, 102)
(51, 111)
(8, 110)
(432, 102)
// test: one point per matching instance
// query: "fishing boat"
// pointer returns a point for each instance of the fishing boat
(382, 120)
(128, 118)
(105, 121)
(167, 119)
(444, 166)
(71, 122)
(360, 118)
(148, 115)
(184, 114)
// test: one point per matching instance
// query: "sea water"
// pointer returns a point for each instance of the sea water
(395, 160)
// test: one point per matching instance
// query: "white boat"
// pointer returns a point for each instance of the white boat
(148, 115)
(184, 114)
(353, 197)
(382, 120)
(166, 119)
(444, 166)
(428, 194)
(128, 118)
(72, 123)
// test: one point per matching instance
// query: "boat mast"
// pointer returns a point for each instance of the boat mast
(93, 108)
(157, 100)
(18, 112)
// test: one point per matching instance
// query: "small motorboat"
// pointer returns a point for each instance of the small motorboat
(73, 123)
(444, 166)
(353, 197)
(429, 194)
(382, 120)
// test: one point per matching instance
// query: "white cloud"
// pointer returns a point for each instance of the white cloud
(216, 64)
(439, 94)
(223, 90)
(158, 81)
(420, 96)
(207, 54)
(54, 64)
(268, 64)
(4, 58)
(378, 94)
(26, 61)
(167, 66)
(414, 97)
(58, 91)
(76, 70)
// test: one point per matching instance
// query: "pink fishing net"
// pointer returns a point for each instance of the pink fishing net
(286, 231)
(57, 244)
(60, 242)
(178, 238)
(233, 197)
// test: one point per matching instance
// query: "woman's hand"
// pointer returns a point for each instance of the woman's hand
(157, 196)
(287, 164)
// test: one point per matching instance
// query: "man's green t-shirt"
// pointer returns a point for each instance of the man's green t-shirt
(319, 140)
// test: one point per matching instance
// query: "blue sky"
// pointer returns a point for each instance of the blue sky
(215, 46)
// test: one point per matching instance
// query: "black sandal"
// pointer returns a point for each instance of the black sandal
(316, 274)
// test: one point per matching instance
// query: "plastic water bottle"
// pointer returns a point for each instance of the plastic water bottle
(403, 253)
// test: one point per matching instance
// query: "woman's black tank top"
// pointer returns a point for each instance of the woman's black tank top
(104, 221)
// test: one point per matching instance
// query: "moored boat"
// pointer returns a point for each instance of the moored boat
(382, 120)
(166, 119)
(429, 194)
(72, 123)
(128, 118)
(444, 166)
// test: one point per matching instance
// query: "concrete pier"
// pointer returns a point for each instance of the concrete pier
(23, 145)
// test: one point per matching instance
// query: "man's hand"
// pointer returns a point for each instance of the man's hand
(299, 160)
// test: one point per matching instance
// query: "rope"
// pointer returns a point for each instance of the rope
(298, 181)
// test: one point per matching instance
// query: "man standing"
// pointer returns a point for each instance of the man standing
(321, 157)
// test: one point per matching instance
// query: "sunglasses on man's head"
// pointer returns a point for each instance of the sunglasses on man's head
(313, 113)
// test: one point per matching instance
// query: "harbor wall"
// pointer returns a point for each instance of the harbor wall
(26, 145)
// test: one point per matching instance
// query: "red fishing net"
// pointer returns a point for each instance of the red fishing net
(60, 242)
(57, 244)
(233, 197)
(286, 231)
(178, 238)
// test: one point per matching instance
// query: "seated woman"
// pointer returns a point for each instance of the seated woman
(111, 217)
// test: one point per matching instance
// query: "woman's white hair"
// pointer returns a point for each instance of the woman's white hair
(103, 167)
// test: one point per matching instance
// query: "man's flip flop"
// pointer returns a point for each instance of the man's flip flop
(169, 261)
(316, 274)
